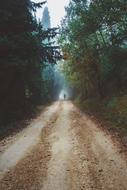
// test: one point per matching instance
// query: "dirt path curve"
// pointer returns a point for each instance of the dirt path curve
(70, 153)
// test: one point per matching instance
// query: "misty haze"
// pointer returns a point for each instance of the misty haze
(63, 89)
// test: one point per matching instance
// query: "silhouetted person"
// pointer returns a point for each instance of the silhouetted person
(64, 96)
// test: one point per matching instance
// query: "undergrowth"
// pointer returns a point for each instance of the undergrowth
(112, 110)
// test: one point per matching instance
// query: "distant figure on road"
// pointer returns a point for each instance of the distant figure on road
(64, 96)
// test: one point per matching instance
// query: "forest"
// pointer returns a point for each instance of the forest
(91, 44)
(63, 95)
(27, 56)
(94, 43)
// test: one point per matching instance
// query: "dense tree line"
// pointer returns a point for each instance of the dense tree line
(94, 43)
(22, 58)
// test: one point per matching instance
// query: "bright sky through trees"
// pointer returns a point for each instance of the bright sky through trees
(56, 8)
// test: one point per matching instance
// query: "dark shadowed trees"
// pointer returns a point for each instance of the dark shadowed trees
(22, 58)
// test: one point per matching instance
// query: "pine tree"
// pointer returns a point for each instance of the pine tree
(46, 19)
(22, 58)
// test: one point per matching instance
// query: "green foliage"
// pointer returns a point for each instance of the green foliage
(94, 43)
(112, 103)
(112, 111)
(23, 57)
(93, 39)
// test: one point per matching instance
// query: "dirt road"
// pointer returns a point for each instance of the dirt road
(62, 150)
